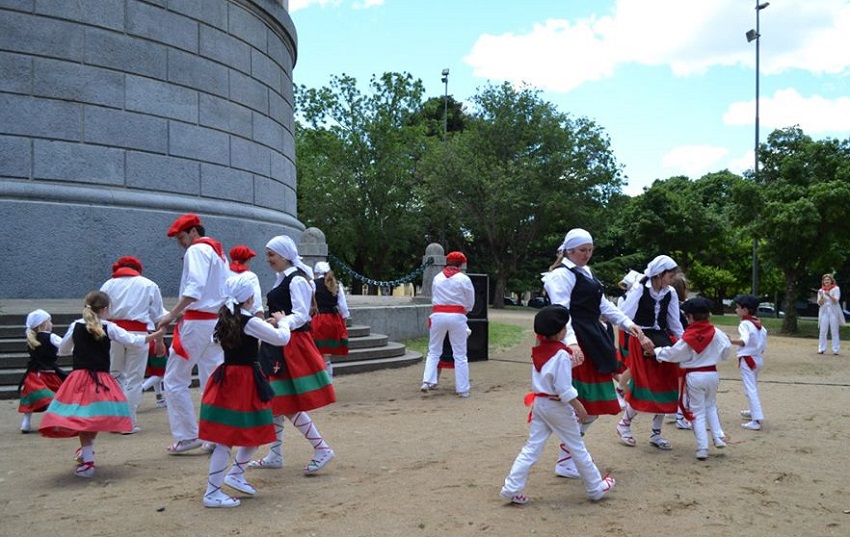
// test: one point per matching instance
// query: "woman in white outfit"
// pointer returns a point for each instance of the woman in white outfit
(830, 316)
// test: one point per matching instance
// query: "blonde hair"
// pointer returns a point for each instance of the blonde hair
(681, 285)
(561, 254)
(32, 342)
(95, 302)
(331, 283)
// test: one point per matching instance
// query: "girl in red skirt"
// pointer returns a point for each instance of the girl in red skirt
(43, 377)
(328, 324)
(90, 400)
(236, 408)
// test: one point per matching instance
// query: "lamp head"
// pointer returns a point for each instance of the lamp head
(762, 6)
(752, 35)
(446, 72)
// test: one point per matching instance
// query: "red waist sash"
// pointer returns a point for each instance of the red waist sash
(188, 315)
(529, 400)
(685, 406)
(449, 308)
(131, 326)
(750, 361)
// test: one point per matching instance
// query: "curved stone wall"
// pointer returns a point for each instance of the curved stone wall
(118, 115)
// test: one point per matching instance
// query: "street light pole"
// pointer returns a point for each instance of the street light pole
(445, 80)
(754, 35)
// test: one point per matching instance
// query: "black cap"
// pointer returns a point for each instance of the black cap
(750, 302)
(697, 304)
(551, 320)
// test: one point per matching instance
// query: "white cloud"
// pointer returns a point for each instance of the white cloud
(743, 163)
(787, 107)
(559, 55)
(693, 160)
(366, 4)
(295, 5)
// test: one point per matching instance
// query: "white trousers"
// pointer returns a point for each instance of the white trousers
(829, 322)
(750, 377)
(453, 324)
(127, 365)
(553, 417)
(701, 396)
(196, 337)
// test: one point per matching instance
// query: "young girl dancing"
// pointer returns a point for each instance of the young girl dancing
(43, 377)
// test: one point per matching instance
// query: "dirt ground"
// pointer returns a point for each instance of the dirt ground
(411, 464)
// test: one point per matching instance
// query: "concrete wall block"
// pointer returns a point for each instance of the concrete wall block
(198, 73)
(225, 115)
(125, 53)
(250, 156)
(212, 12)
(278, 51)
(46, 118)
(161, 99)
(265, 70)
(226, 183)
(268, 132)
(163, 26)
(105, 13)
(20, 32)
(246, 27)
(198, 143)
(163, 173)
(77, 82)
(269, 193)
(287, 88)
(283, 169)
(247, 91)
(20, 5)
(15, 157)
(125, 129)
(281, 111)
(224, 48)
(15, 73)
(77, 163)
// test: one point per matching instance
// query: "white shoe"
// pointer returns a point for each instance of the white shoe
(605, 487)
(85, 469)
(719, 443)
(463, 395)
(160, 403)
(752, 425)
(684, 424)
(239, 483)
(208, 447)
(518, 498)
(702, 454)
(567, 469)
(220, 499)
(134, 430)
(427, 387)
(26, 424)
(266, 463)
(320, 459)
(746, 414)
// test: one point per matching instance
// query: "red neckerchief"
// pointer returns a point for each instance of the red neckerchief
(448, 272)
(238, 267)
(755, 320)
(827, 289)
(698, 335)
(125, 272)
(214, 244)
(545, 350)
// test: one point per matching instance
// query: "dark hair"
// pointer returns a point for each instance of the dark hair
(228, 329)
(700, 316)
(201, 231)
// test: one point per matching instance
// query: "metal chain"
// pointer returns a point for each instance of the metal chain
(379, 283)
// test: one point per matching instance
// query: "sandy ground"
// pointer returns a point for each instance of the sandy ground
(432, 464)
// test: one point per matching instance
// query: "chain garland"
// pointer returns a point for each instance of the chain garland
(378, 283)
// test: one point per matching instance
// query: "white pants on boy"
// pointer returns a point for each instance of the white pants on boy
(750, 377)
(702, 400)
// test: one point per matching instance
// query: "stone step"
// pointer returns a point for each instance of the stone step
(390, 350)
(372, 340)
(363, 366)
(358, 330)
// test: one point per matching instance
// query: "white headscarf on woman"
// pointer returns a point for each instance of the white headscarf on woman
(321, 268)
(575, 238)
(659, 265)
(285, 247)
(238, 289)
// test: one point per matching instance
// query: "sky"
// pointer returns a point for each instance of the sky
(671, 82)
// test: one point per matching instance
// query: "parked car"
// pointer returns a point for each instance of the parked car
(538, 302)
(767, 310)
(510, 301)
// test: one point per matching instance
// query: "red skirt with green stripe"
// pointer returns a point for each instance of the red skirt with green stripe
(303, 383)
(595, 390)
(38, 390)
(654, 386)
(83, 404)
(330, 333)
(232, 413)
(156, 364)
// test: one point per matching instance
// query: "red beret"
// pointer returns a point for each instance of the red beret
(184, 223)
(128, 261)
(242, 253)
(455, 258)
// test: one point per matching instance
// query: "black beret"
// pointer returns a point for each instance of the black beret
(550, 320)
(697, 304)
(750, 302)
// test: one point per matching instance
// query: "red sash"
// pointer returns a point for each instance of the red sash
(686, 406)
(188, 315)
(131, 326)
(750, 362)
(529, 400)
(449, 308)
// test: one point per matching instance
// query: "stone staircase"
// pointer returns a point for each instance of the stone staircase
(367, 351)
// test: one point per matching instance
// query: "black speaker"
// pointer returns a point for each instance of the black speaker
(481, 283)
(477, 344)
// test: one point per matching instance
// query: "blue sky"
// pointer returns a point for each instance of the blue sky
(672, 82)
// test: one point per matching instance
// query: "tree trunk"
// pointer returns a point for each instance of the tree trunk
(500, 284)
(789, 324)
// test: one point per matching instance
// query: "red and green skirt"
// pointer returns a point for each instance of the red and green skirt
(654, 386)
(303, 383)
(38, 390)
(232, 412)
(87, 402)
(330, 333)
(595, 390)
(156, 364)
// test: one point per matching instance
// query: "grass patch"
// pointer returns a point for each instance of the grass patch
(502, 336)
(806, 328)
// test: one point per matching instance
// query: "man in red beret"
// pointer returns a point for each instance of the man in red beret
(202, 293)
(135, 305)
(452, 297)
(240, 263)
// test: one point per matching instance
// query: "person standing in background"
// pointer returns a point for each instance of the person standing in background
(830, 316)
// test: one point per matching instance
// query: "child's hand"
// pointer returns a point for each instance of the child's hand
(276, 318)
(576, 357)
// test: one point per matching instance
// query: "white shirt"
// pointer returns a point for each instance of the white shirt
(555, 377)
(687, 357)
(342, 304)
(674, 319)
(301, 293)
(454, 291)
(264, 331)
(115, 333)
(755, 340)
(134, 298)
(203, 278)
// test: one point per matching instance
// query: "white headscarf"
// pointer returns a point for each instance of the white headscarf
(238, 289)
(575, 238)
(36, 318)
(321, 268)
(659, 265)
(630, 279)
(285, 247)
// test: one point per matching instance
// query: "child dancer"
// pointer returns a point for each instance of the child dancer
(752, 343)
(556, 409)
(702, 346)
(90, 400)
(328, 324)
(43, 377)
(236, 407)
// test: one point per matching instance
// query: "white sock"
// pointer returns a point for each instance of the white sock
(243, 457)
(275, 453)
(218, 466)
(26, 423)
(303, 423)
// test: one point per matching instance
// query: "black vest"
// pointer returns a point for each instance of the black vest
(90, 353)
(325, 301)
(591, 334)
(280, 298)
(246, 351)
(645, 315)
(44, 356)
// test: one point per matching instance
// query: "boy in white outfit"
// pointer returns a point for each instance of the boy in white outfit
(555, 409)
(752, 343)
(702, 346)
